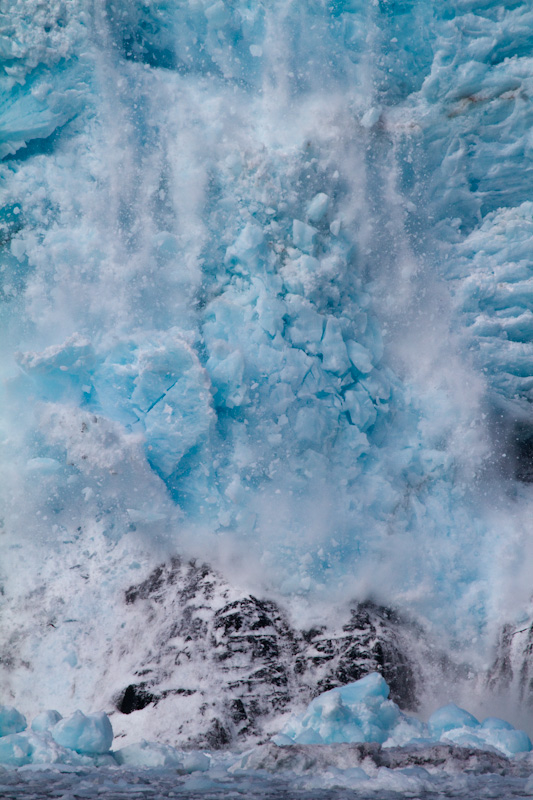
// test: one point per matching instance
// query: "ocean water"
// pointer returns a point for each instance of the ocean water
(159, 784)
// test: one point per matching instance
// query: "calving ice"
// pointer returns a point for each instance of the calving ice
(266, 373)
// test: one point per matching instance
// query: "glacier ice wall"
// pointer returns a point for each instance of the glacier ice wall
(265, 301)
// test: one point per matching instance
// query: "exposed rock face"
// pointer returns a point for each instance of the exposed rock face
(512, 667)
(369, 642)
(192, 631)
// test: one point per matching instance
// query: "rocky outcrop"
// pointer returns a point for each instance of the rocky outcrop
(191, 631)
(512, 667)
(371, 641)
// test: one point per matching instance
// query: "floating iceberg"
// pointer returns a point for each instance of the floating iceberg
(11, 721)
(78, 739)
(84, 740)
(89, 734)
(45, 721)
(362, 712)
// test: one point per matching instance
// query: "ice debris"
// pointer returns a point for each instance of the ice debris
(11, 720)
(45, 720)
(83, 740)
(362, 712)
(155, 754)
(52, 739)
(89, 734)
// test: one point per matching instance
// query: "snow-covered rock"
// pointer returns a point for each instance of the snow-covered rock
(186, 626)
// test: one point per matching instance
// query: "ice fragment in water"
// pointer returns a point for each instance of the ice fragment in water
(11, 721)
(449, 717)
(89, 734)
(358, 712)
(45, 721)
(15, 750)
(362, 712)
(370, 117)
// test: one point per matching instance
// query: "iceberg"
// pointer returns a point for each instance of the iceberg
(45, 721)
(89, 734)
(11, 721)
(362, 712)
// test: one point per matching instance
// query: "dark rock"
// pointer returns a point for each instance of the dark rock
(369, 642)
(512, 668)
(247, 648)
(134, 698)
(238, 711)
(217, 736)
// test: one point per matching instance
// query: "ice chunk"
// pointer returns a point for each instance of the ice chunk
(148, 754)
(31, 747)
(15, 750)
(227, 378)
(154, 754)
(307, 326)
(195, 761)
(303, 236)
(495, 723)
(88, 734)
(361, 712)
(300, 274)
(357, 712)
(63, 371)
(359, 356)
(245, 250)
(508, 741)
(317, 207)
(360, 408)
(45, 721)
(449, 717)
(370, 117)
(335, 356)
(11, 721)
(310, 427)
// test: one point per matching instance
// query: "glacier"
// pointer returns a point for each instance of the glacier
(267, 360)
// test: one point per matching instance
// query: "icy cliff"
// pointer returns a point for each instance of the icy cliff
(266, 304)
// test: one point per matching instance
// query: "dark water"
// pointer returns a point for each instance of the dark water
(112, 784)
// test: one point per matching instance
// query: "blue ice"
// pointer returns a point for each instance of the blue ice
(362, 712)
